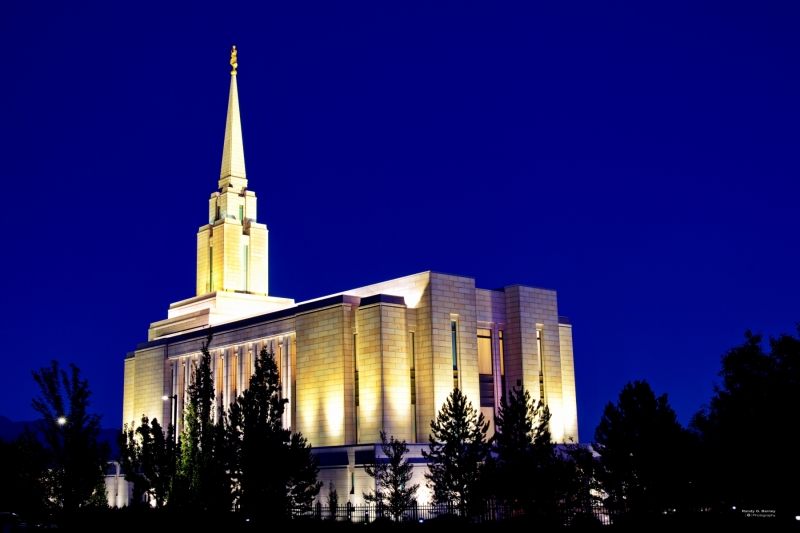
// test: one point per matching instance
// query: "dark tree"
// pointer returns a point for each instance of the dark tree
(303, 467)
(333, 500)
(130, 461)
(22, 471)
(640, 444)
(757, 402)
(149, 459)
(392, 478)
(526, 462)
(259, 441)
(203, 481)
(528, 470)
(458, 448)
(75, 459)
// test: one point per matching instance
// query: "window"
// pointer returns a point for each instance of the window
(484, 351)
(210, 269)
(502, 362)
(541, 364)
(485, 376)
(454, 343)
(245, 250)
(241, 212)
(355, 377)
(412, 361)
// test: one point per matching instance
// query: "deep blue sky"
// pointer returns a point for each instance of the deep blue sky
(641, 158)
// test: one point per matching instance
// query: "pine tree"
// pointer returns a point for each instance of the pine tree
(303, 468)
(639, 440)
(528, 471)
(258, 439)
(458, 448)
(271, 470)
(526, 458)
(392, 478)
(333, 500)
(759, 388)
(203, 480)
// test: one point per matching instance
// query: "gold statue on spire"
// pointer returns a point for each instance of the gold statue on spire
(234, 62)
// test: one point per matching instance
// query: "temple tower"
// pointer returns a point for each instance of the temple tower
(232, 247)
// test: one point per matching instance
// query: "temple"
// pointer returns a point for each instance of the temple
(380, 357)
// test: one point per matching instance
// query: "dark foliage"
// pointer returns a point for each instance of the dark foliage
(22, 471)
(757, 403)
(392, 478)
(528, 471)
(74, 457)
(261, 449)
(642, 449)
(148, 456)
(457, 449)
(202, 481)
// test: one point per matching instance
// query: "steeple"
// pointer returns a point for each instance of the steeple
(233, 172)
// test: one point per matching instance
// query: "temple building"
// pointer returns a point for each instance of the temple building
(380, 357)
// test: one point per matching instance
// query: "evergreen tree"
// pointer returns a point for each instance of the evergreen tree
(639, 442)
(758, 398)
(259, 441)
(457, 449)
(527, 469)
(203, 481)
(75, 460)
(271, 470)
(303, 468)
(333, 500)
(392, 478)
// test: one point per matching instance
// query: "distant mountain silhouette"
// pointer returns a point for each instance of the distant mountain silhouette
(10, 430)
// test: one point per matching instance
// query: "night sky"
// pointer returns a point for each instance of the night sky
(641, 158)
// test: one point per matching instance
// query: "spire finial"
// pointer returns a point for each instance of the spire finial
(234, 62)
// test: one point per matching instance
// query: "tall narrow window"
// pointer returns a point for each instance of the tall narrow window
(241, 212)
(412, 358)
(502, 362)
(355, 375)
(485, 375)
(245, 253)
(541, 364)
(454, 343)
(484, 351)
(210, 269)
(217, 215)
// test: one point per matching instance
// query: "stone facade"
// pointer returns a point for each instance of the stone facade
(380, 357)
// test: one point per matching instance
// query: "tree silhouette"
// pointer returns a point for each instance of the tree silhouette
(526, 467)
(392, 478)
(76, 461)
(148, 457)
(457, 448)
(757, 401)
(203, 480)
(638, 440)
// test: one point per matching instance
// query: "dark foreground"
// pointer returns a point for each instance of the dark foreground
(170, 521)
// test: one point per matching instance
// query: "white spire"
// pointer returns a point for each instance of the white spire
(232, 150)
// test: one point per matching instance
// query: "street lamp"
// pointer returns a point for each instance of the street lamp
(173, 412)
(61, 420)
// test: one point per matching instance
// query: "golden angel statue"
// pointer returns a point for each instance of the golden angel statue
(234, 62)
